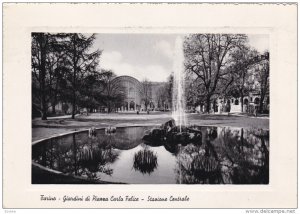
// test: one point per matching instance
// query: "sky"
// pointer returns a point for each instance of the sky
(148, 56)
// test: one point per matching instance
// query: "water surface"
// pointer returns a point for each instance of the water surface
(223, 156)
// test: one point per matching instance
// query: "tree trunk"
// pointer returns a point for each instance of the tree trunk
(242, 102)
(261, 103)
(43, 115)
(42, 77)
(73, 104)
(53, 108)
(74, 81)
(208, 103)
(108, 107)
(54, 100)
(74, 98)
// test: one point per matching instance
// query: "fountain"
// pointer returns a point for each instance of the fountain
(176, 131)
(178, 98)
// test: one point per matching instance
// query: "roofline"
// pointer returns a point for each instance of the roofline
(127, 77)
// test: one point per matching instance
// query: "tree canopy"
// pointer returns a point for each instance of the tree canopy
(65, 69)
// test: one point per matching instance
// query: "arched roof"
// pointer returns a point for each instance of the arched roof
(125, 78)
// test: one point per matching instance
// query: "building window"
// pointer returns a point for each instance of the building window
(131, 92)
(236, 102)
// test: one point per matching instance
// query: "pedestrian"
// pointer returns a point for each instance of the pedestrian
(255, 111)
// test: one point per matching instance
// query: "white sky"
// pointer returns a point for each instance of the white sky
(147, 55)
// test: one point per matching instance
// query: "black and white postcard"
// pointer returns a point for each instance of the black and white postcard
(155, 109)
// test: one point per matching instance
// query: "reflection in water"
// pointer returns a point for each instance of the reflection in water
(197, 164)
(234, 157)
(145, 161)
(93, 159)
(224, 156)
(80, 158)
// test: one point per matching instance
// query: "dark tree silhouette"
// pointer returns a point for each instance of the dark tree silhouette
(262, 74)
(82, 61)
(39, 50)
(47, 56)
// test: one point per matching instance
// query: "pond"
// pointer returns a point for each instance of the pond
(223, 155)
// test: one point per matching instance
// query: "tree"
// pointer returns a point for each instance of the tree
(242, 62)
(81, 61)
(262, 73)
(46, 53)
(39, 51)
(64, 69)
(113, 90)
(194, 92)
(56, 68)
(162, 96)
(208, 57)
(92, 91)
(146, 93)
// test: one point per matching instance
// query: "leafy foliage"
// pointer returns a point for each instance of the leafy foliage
(65, 69)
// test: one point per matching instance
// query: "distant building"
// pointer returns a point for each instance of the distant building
(250, 103)
(135, 97)
(133, 100)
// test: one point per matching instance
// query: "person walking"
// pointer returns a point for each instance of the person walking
(255, 111)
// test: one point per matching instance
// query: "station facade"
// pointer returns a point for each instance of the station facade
(135, 94)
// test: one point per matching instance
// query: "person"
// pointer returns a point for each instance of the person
(255, 111)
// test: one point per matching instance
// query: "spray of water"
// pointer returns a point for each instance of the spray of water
(178, 98)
